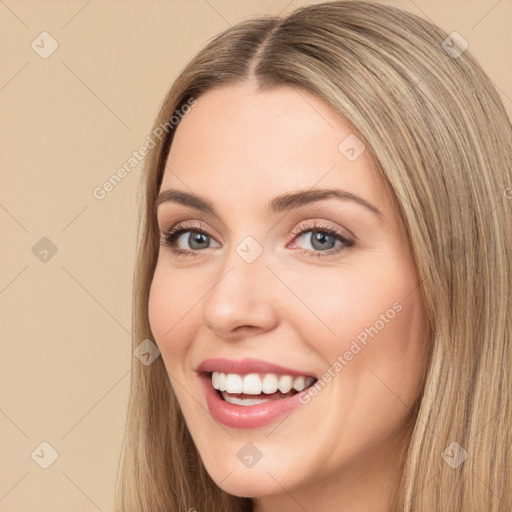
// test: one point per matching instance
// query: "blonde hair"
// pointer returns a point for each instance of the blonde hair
(443, 144)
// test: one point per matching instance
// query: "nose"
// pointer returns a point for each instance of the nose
(241, 301)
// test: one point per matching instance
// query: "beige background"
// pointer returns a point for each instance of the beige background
(68, 122)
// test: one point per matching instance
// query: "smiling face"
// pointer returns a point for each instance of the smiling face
(326, 288)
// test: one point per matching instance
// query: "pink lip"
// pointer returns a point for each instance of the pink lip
(250, 416)
(245, 366)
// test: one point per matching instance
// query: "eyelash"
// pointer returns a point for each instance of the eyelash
(169, 238)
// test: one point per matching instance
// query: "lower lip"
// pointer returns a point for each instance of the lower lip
(246, 416)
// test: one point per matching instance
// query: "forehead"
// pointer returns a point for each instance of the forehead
(238, 141)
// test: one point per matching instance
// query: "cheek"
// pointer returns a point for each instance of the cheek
(400, 360)
(383, 342)
(366, 320)
(342, 304)
(171, 313)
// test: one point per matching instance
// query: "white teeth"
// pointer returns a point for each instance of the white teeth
(233, 383)
(299, 383)
(246, 401)
(285, 383)
(254, 384)
(270, 383)
(222, 381)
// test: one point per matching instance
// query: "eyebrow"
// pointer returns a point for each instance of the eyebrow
(279, 204)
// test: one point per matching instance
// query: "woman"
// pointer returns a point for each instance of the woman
(324, 264)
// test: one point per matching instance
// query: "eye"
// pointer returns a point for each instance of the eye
(322, 238)
(196, 239)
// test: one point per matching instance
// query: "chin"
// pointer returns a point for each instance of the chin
(247, 483)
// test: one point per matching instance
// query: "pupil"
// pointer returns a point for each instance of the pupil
(322, 238)
(197, 238)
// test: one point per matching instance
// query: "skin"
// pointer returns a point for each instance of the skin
(238, 149)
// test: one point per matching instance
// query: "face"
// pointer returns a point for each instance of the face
(318, 286)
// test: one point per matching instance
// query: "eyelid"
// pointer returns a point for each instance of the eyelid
(320, 224)
(347, 242)
(197, 224)
(181, 227)
(190, 225)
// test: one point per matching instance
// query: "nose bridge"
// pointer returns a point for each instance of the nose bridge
(238, 296)
(245, 261)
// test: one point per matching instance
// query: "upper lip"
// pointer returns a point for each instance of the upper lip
(246, 366)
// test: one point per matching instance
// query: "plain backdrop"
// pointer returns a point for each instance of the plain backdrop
(69, 120)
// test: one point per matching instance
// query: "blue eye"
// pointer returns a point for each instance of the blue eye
(322, 239)
(197, 239)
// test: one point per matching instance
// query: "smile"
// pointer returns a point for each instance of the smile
(234, 388)
(251, 393)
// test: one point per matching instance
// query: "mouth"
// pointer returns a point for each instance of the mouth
(257, 388)
(252, 393)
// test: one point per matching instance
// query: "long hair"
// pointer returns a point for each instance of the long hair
(442, 140)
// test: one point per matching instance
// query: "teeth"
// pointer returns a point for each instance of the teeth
(252, 384)
(270, 383)
(299, 383)
(222, 381)
(246, 401)
(285, 383)
(234, 383)
(255, 384)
